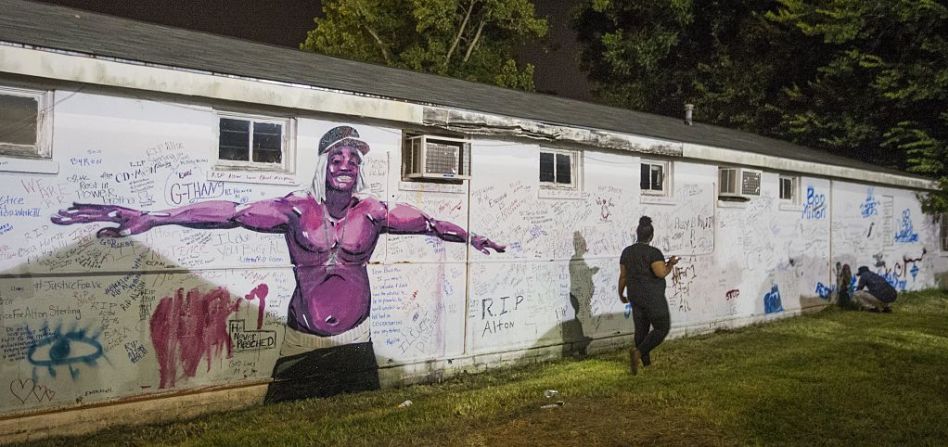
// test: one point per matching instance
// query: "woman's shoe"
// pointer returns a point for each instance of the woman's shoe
(635, 358)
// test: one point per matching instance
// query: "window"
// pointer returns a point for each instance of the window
(728, 181)
(559, 169)
(25, 123)
(944, 231)
(654, 177)
(250, 141)
(788, 189)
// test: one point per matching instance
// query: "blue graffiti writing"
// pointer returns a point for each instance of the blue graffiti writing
(906, 233)
(536, 231)
(870, 207)
(19, 212)
(7, 200)
(515, 247)
(909, 265)
(5, 228)
(57, 348)
(896, 274)
(436, 244)
(823, 291)
(815, 205)
(772, 303)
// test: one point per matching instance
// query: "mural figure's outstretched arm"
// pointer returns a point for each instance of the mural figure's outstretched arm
(269, 216)
(406, 219)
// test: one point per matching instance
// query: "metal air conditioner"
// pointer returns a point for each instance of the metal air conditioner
(436, 157)
(738, 183)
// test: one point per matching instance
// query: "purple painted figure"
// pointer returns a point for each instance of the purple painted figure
(330, 232)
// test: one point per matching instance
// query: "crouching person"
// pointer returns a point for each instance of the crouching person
(878, 295)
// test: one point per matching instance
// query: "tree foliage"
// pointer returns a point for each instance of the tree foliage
(862, 78)
(468, 39)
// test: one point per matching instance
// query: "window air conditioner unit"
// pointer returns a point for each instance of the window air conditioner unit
(436, 157)
(739, 183)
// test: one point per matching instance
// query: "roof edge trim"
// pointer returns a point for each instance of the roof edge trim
(809, 168)
(492, 125)
(84, 68)
(88, 69)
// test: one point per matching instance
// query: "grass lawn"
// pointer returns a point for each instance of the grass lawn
(833, 378)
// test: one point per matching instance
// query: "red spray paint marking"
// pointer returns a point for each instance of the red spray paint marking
(185, 329)
(260, 293)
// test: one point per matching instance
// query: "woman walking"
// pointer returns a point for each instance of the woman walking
(642, 273)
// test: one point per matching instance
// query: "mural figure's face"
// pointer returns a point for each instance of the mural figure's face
(342, 172)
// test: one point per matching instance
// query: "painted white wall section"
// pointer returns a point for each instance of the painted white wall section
(246, 284)
(885, 230)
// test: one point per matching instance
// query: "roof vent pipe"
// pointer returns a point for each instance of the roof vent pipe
(689, 108)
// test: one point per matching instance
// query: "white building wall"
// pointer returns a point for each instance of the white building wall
(433, 301)
(885, 230)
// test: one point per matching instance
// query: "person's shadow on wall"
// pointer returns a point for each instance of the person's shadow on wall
(581, 290)
(171, 327)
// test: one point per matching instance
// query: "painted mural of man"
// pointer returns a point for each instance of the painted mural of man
(878, 295)
(331, 232)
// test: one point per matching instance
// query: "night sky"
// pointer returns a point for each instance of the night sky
(286, 22)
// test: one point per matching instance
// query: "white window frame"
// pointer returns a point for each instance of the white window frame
(288, 145)
(575, 164)
(731, 172)
(794, 189)
(666, 178)
(42, 149)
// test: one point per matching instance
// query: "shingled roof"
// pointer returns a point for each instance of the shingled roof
(55, 27)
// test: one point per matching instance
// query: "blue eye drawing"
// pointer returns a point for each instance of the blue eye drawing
(54, 349)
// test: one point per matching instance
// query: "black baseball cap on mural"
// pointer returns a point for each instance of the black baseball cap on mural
(339, 135)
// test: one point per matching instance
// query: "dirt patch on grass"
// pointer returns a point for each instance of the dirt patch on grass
(589, 422)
